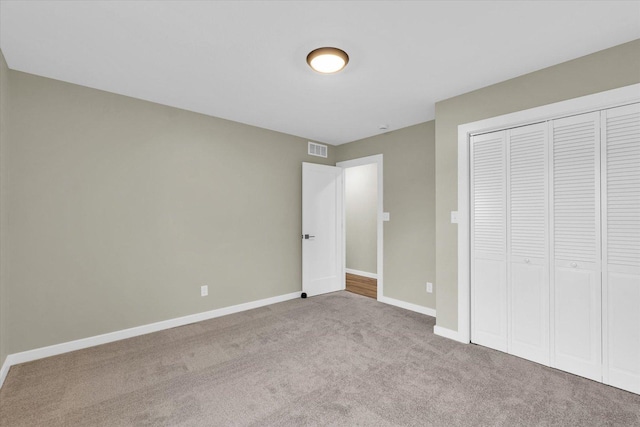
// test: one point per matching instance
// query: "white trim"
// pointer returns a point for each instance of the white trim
(361, 273)
(56, 349)
(571, 107)
(598, 101)
(4, 370)
(377, 159)
(448, 333)
(408, 306)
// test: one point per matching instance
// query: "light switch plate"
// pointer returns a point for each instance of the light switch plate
(454, 217)
(386, 216)
(204, 291)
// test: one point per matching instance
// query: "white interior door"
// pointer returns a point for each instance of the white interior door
(488, 241)
(576, 274)
(555, 243)
(621, 246)
(527, 242)
(322, 222)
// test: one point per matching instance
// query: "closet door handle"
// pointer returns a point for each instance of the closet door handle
(527, 260)
(574, 264)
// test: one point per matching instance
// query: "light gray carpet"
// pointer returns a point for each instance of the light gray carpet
(337, 359)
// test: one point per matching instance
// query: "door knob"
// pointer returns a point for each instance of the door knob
(574, 265)
(526, 260)
(307, 236)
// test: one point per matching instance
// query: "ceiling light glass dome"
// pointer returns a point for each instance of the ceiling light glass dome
(327, 60)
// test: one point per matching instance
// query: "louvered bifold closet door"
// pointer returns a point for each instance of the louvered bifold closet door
(575, 249)
(527, 242)
(621, 245)
(488, 241)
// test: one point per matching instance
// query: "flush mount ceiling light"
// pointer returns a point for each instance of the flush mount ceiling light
(327, 60)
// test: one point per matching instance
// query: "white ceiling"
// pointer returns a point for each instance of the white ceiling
(245, 61)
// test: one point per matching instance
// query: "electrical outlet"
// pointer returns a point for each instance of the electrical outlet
(204, 291)
(430, 287)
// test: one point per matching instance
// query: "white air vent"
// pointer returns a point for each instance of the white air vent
(316, 149)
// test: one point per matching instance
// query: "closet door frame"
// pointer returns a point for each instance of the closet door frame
(599, 101)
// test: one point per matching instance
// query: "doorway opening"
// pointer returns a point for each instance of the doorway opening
(362, 232)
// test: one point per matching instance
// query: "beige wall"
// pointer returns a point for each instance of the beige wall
(117, 210)
(361, 212)
(4, 103)
(120, 209)
(604, 70)
(409, 195)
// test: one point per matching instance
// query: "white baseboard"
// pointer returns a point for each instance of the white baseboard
(361, 273)
(448, 333)
(53, 350)
(4, 370)
(408, 306)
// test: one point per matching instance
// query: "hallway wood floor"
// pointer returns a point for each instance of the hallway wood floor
(362, 285)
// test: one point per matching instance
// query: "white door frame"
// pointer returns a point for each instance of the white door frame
(602, 100)
(375, 159)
